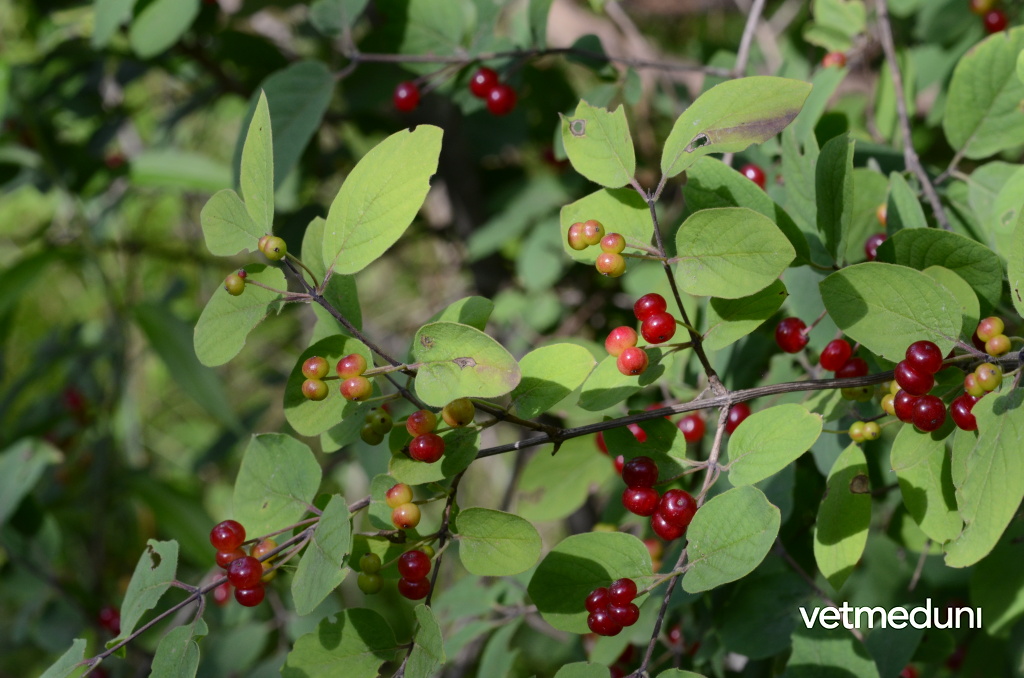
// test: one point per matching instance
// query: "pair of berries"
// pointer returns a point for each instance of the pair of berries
(414, 566)
(837, 356)
(235, 283)
(314, 369)
(369, 580)
(245, 572)
(377, 424)
(354, 386)
(993, 18)
(273, 248)
(405, 515)
(670, 513)
(484, 84)
(990, 337)
(612, 608)
(864, 430)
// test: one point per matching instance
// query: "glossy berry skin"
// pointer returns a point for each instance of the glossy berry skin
(924, 356)
(227, 536)
(275, 248)
(990, 327)
(262, 548)
(632, 361)
(245, 573)
(835, 354)
(887, 404)
(737, 414)
(618, 463)
(665, 529)
(234, 284)
(613, 243)
(414, 565)
(501, 99)
(989, 376)
(356, 388)
(250, 597)
(420, 422)
(638, 433)
(369, 584)
(414, 590)
(929, 413)
(658, 328)
(642, 501)
(903, 404)
(754, 173)
(911, 380)
(597, 600)
(351, 365)
(995, 21)
(601, 623)
(369, 563)
(997, 345)
(610, 265)
(575, 237)
(837, 59)
(398, 494)
(872, 244)
(406, 516)
(790, 335)
(693, 427)
(428, 448)
(960, 411)
(854, 367)
(225, 558)
(622, 592)
(314, 389)
(624, 615)
(640, 472)
(648, 305)
(261, 245)
(481, 82)
(459, 412)
(406, 97)
(593, 231)
(677, 507)
(620, 339)
(856, 431)
(315, 367)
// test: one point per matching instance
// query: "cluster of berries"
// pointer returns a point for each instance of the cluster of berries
(376, 424)
(405, 515)
(273, 248)
(612, 608)
(246, 572)
(864, 430)
(915, 376)
(484, 84)
(610, 262)
(993, 18)
(414, 566)
(985, 378)
(670, 513)
(657, 326)
(837, 356)
(989, 336)
(369, 580)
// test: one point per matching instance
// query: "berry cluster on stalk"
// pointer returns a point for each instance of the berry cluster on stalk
(246, 572)
(670, 513)
(612, 609)
(485, 84)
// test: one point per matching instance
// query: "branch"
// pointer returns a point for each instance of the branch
(743, 55)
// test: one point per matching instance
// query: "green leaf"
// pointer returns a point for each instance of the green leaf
(578, 565)
(321, 569)
(729, 320)
(226, 321)
(227, 226)
(903, 210)
(679, 673)
(459, 361)
(723, 549)
(332, 17)
(982, 114)
(833, 182)
(606, 386)
(923, 469)
(159, 25)
(472, 311)
(729, 252)
(276, 483)
(432, 28)
(553, 487)
(354, 644)
(169, 338)
(844, 516)
(156, 569)
(427, 654)
(824, 83)
(991, 486)
(68, 662)
(341, 290)
(730, 117)
(308, 417)
(21, 466)
(923, 247)
(550, 373)
(799, 160)
(495, 543)
(887, 307)
(460, 448)
(1015, 266)
(997, 584)
(538, 16)
(768, 441)
(758, 617)
(620, 210)
(582, 670)
(970, 310)
(110, 15)
(598, 144)
(819, 652)
(177, 655)
(257, 170)
(1005, 213)
(380, 198)
(836, 24)
(171, 168)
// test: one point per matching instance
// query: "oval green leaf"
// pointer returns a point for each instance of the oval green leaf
(582, 670)
(923, 469)
(550, 373)
(427, 654)
(159, 24)
(833, 182)
(554, 486)
(156, 570)
(276, 483)
(970, 309)
(353, 643)
(257, 171)
(768, 441)
(226, 321)
(227, 227)
(495, 543)
(598, 144)
(458, 361)
(21, 466)
(321, 568)
(729, 320)
(844, 516)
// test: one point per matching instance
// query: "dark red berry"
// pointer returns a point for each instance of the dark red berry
(665, 529)
(658, 328)
(872, 244)
(225, 558)
(481, 83)
(601, 623)
(621, 592)
(501, 99)
(737, 414)
(648, 305)
(250, 597)
(597, 600)
(677, 507)
(414, 590)
(406, 97)
(903, 405)
(911, 380)
(924, 356)
(996, 21)
(854, 367)
(790, 335)
(929, 413)
(414, 565)
(754, 173)
(640, 472)
(693, 427)
(960, 410)
(835, 354)
(428, 447)
(110, 619)
(227, 536)
(624, 615)
(643, 501)
(245, 572)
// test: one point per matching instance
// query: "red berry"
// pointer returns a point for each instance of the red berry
(356, 388)
(420, 422)
(831, 59)
(245, 572)
(622, 592)
(222, 594)
(873, 242)
(754, 173)
(250, 597)
(601, 623)
(990, 327)
(110, 619)
(665, 529)
(624, 615)
(835, 354)
(908, 672)
(597, 600)
(397, 495)
(481, 83)
(790, 335)
(693, 427)
(315, 368)
(677, 507)
(227, 536)
(619, 340)
(643, 501)
(903, 404)
(414, 590)
(613, 243)
(428, 447)
(406, 97)
(611, 265)
(960, 410)
(619, 462)
(911, 380)
(658, 328)
(501, 99)
(351, 365)
(854, 367)
(995, 21)
(640, 472)
(638, 433)
(632, 361)
(225, 558)
(648, 305)
(929, 413)
(924, 356)
(737, 414)
(414, 565)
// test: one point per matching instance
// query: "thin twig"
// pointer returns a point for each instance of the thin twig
(640, 671)
(743, 54)
(920, 566)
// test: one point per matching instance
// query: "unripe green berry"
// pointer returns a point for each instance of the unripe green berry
(428, 550)
(857, 431)
(379, 420)
(406, 516)
(397, 495)
(611, 265)
(234, 284)
(972, 386)
(888, 404)
(459, 412)
(613, 243)
(315, 368)
(314, 389)
(990, 327)
(575, 237)
(370, 563)
(998, 345)
(872, 431)
(861, 394)
(593, 231)
(370, 583)
(370, 436)
(989, 376)
(275, 248)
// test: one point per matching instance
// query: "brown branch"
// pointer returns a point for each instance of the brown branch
(743, 54)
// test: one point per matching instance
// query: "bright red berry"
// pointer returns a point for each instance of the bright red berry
(245, 572)
(754, 173)
(414, 590)
(648, 305)
(420, 422)
(995, 21)
(911, 380)
(611, 265)
(929, 413)
(924, 356)
(837, 59)
(737, 414)
(501, 99)
(601, 623)
(227, 536)
(351, 365)
(643, 501)
(356, 388)
(854, 367)
(601, 445)
(677, 507)
(632, 361)
(640, 472)
(638, 433)
(619, 462)
(835, 354)
(693, 427)
(225, 558)
(665, 529)
(790, 335)
(903, 404)
(873, 242)
(624, 615)
(428, 448)
(250, 597)
(406, 97)
(414, 565)
(658, 328)
(622, 592)
(597, 600)
(481, 82)
(619, 340)
(960, 411)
